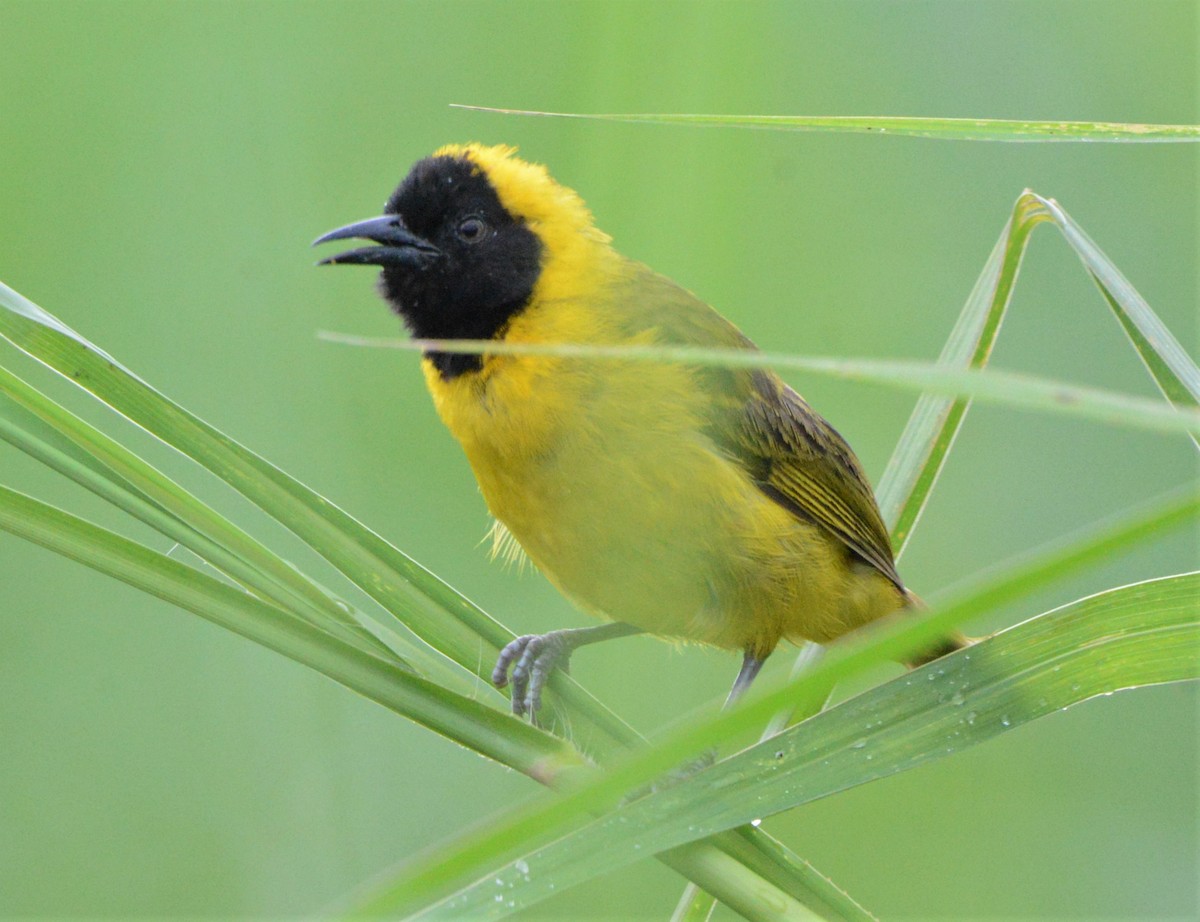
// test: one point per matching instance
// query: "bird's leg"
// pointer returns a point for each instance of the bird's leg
(750, 666)
(534, 656)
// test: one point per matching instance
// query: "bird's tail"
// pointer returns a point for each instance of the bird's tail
(948, 644)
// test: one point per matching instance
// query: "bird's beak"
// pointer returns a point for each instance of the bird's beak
(398, 246)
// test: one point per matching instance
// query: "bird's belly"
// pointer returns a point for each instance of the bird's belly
(622, 538)
(677, 540)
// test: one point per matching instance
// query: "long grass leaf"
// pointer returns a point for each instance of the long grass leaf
(962, 129)
(921, 452)
(736, 879)
(1172, 369)
(516, 836)
(455, 716)
(1137, 635)
(444, 619)
(133, 485)
(924, 446)
(1028, 392)
(925, 443)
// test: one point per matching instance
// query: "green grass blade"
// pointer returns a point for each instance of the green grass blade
(918, 459)
(923, 447)
(515, 836)
(122, 494)
(962, 129)
(748, 844)
(1061, 393)
(455, 716)
(130, 483)
(1144, 634)
(20, 418)
(1169, 365)
(759, 903)
(1029, 392)
(694, 905)
(740, 884)
(921, 453)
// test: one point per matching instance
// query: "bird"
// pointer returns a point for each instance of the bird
(700, 504)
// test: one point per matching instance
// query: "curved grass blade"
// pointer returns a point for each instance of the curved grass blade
(1169, 365)
(921, 452)
(128, 482)
(51, 342)
(455, 716)
(241, 562)
(960, 129)
(917, 461)
(516, 836)
(924, 445)
(1144, 634)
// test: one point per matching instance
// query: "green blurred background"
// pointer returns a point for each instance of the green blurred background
(163, 169)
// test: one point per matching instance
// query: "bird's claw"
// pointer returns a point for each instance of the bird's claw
(532, 658)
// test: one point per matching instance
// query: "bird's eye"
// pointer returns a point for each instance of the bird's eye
(472, 229)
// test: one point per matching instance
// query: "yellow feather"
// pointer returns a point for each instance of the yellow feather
(505, 547)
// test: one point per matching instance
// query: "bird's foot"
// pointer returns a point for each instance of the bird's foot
(532, 658)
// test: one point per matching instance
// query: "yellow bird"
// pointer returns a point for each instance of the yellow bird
(702, 504)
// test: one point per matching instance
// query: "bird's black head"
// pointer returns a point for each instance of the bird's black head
(456, 264)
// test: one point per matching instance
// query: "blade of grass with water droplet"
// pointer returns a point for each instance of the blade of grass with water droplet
(526, 834)
(1138, 635)
(1030, 392)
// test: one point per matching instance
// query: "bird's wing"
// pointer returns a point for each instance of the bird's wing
(802, 463)
(794, 455)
